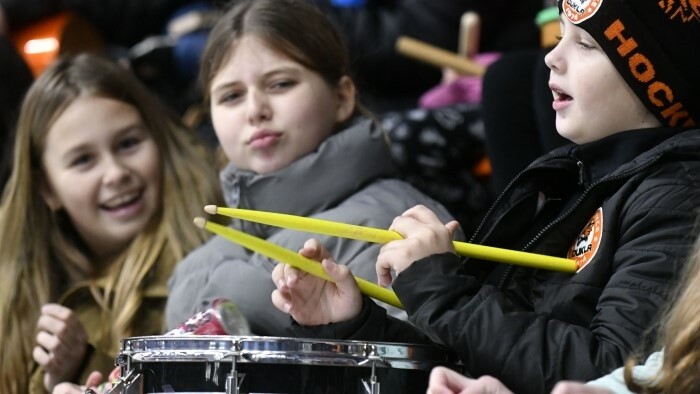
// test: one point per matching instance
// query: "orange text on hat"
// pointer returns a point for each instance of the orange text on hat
(658, 92)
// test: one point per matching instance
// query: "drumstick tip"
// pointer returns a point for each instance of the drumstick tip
(211, 209)
(199, 222)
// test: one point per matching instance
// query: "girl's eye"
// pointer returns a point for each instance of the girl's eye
(80, 160)
(129, 142)
(229, 97)
(282, 85)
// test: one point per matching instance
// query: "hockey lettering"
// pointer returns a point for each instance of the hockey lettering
(659, 93)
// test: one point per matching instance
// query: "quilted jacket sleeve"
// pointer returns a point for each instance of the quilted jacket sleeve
(528, 348)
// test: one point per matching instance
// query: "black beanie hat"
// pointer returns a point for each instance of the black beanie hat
(654, 45)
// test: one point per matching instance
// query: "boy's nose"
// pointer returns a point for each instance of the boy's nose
(553, 60)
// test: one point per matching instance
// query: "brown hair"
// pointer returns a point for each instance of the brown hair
(294, 28)
(40, 252)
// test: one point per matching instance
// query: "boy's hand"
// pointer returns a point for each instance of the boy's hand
(424, 235)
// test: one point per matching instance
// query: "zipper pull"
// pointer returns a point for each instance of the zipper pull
(580, 172)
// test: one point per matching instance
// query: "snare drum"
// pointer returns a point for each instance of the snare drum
(236, 364)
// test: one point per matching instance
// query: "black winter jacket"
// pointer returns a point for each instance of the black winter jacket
(627, 205)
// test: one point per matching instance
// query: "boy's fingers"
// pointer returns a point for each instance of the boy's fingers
(452, 227)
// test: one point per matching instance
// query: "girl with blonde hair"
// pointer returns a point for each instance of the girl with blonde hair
(94, 219)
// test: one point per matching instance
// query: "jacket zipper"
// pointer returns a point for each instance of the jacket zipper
(627, 174)
(503, 193)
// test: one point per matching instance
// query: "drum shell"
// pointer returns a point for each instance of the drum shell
(277, 364)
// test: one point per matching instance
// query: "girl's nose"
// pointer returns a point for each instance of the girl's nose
(116, 172)
(258, 107)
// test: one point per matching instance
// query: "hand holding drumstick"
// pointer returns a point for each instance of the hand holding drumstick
(423, 235)
(314, 301)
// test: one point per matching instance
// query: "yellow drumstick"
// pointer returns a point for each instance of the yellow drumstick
(370, 234)
(297, 261)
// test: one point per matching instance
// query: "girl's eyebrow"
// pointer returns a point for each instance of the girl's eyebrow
(268, 74)
(226, 85)
(281, 70)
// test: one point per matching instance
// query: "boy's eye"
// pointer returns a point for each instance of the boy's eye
(585, 45)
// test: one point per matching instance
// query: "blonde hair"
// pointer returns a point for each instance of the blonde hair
(40, 252)
(680, 338)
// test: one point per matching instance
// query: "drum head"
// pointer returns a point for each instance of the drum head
(342, 353)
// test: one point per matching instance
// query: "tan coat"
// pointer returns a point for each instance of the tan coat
(149, 321)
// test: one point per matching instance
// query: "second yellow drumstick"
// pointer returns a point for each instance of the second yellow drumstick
(370, 234)
(297, 261)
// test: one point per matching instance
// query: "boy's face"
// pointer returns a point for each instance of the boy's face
(591, 99)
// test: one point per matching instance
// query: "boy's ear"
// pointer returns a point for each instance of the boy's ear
(347, 102)
(48, 195)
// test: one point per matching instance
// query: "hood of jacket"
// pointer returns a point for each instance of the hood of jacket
(358, 155)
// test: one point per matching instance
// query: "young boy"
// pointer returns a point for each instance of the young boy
(621, 201)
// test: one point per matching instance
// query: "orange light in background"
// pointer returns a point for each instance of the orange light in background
(42, 42)
(41, 45)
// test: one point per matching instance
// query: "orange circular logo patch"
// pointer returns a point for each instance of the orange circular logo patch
(586, 244)
(578, 11)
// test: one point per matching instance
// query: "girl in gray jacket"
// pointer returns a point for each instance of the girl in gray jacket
(284, 109)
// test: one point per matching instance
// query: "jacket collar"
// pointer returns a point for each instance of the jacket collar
(626, 150)
(341, 166)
